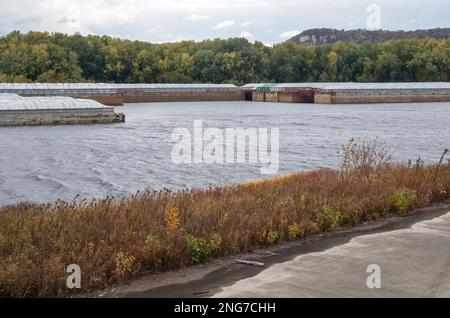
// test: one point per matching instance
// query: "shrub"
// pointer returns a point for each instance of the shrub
(172, 220)
(364, 156)
(272, 236)
(294, 231)
(124, 265)
(329, 219)
(152, 241)
(199, 249)
(402, 200)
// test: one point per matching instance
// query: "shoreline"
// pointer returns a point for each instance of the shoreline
(206, 280)
(115, 240)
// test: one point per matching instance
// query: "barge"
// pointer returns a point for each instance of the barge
(319, 93)
(350, 93)
(118, 94)
(16, 110)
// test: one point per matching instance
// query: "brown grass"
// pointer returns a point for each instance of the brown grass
(115, 239)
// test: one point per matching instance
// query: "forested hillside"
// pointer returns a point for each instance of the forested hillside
(43, 57)
(326, 36)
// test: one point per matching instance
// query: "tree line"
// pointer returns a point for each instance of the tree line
(56, 57)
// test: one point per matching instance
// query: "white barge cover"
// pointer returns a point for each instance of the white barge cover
(367, 86)
(16, 102)
(95, 86)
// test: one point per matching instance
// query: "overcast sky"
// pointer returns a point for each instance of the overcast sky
(269, 21)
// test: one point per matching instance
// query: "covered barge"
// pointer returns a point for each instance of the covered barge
(364, 93)
(118, 94)
(319, 93)
(16, 110)
(350, 93)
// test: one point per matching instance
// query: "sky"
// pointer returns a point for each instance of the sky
(268, 21)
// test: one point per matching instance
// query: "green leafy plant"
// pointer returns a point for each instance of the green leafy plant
(329, 219)
(403, 199)
(200, 249)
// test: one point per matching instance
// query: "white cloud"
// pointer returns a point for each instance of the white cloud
(224, 24)
(168, 18)
(84, 15)
(246, 34)
(289, 34)
(198, 17)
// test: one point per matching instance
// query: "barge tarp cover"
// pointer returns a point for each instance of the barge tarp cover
(367, 86)
(16, 102)
(95, 87)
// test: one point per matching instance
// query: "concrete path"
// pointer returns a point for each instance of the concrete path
(413, 262)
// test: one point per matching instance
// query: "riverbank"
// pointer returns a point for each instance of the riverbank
(116, 239)
(224, 277)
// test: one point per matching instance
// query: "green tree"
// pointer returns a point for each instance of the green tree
(44, 57)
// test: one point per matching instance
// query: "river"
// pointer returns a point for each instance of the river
(46, 163)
